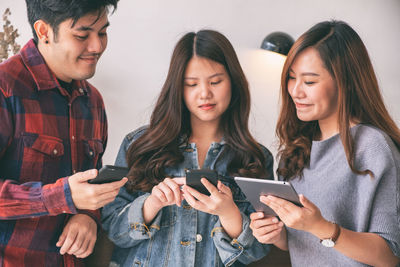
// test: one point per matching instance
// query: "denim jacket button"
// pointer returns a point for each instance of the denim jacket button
(199, 238)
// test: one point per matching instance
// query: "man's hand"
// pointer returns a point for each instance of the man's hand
(79, 236)
(92, 196)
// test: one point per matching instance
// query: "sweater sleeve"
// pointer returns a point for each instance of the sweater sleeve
(380, 193)
(385, 213)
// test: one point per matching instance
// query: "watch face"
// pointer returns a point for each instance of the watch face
(328, 243)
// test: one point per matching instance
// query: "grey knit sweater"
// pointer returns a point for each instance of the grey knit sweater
(355, 202)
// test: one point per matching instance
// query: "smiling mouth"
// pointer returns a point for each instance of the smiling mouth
(90, 59)
(299, 105)
(207, 106)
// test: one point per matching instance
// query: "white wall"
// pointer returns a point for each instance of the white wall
(143, 34)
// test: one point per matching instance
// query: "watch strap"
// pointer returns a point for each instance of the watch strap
(335, 235)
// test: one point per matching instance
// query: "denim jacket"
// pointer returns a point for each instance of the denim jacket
(179, 236)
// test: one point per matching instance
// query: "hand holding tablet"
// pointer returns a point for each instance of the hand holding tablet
(253, 188)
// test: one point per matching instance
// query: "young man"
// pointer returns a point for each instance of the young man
(53, 132)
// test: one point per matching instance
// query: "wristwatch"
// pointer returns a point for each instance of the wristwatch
(330, 242)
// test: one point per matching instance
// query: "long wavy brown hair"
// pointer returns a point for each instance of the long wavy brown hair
(346, 58)
(169, 127)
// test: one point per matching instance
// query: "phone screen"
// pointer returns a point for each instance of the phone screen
(193, 178)
(109, 173)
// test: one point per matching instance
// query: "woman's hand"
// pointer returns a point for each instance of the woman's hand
(220, 203)
(306, 218)
(166, 193)
(267, 230)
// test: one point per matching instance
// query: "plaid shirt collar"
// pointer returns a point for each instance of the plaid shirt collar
(43, 76)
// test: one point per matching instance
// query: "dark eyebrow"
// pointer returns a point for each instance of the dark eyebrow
(309, 74)
(87, 28)
(305, 73)
(216, 74)
(212, 76)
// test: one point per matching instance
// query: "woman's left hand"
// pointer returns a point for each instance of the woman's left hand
(220, 202)
(304, 218)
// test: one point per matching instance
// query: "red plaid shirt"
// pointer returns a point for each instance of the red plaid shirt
(45, 136)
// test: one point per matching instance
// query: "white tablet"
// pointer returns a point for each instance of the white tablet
(253, 188)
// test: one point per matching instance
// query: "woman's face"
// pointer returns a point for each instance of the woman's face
(207, 90)
(313, 89)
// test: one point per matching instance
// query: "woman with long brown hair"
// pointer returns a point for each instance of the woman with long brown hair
(340, 148)
(200, 121)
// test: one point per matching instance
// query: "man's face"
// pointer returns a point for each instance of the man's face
(74, 52)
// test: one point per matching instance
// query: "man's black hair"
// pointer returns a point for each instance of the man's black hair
(54, 12)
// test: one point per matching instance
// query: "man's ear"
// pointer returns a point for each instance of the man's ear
(43, 31)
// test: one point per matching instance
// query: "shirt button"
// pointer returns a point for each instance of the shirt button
(187, 207)
(81, 90)
(73, 137)
(55, 151)
(91, 153)
(199, 238)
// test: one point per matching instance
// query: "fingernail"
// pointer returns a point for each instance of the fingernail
(275, 220)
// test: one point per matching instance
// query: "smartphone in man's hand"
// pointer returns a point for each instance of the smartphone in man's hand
(109, 173)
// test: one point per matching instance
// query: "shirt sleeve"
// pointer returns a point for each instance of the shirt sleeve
(19, 201)
(124, 222)
(245, 248)
(123, 218)
(31, 199)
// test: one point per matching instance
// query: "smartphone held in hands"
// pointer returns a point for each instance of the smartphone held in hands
(109, 173)
(193, 178)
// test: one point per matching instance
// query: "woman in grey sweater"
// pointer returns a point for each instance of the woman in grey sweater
(339, 148)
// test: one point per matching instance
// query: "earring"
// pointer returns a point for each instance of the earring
(47, 41)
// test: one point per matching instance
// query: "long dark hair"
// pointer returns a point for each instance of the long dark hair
(169, 127)
(346, 58)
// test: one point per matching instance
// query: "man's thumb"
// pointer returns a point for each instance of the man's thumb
(86, 175)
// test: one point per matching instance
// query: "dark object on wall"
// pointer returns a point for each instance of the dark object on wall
(278, 42)
(7, 38)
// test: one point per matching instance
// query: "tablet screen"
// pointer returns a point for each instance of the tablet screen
(253, 188)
